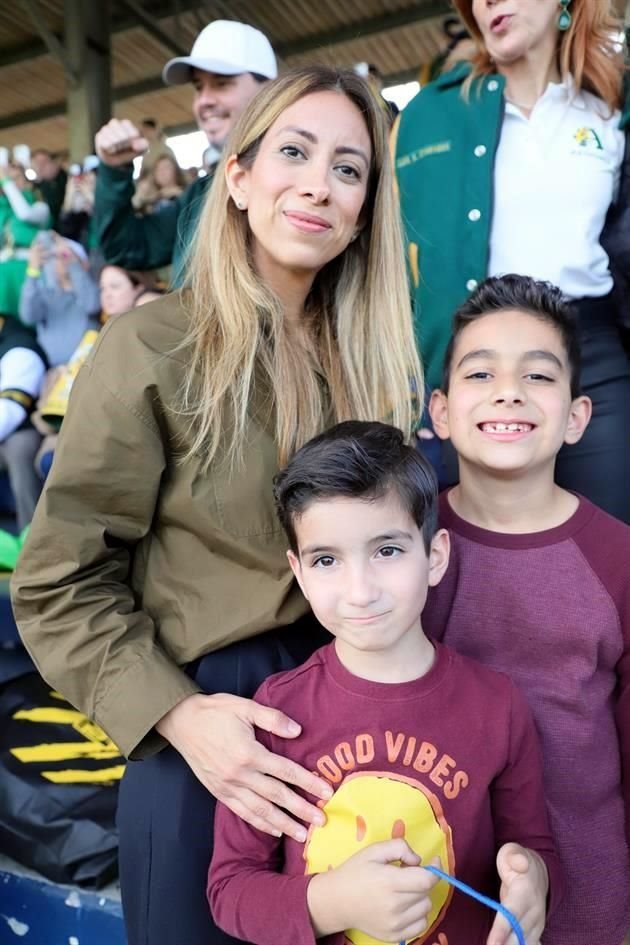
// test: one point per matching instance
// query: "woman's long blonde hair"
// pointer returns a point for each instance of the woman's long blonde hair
(358, 311)
(588, 50)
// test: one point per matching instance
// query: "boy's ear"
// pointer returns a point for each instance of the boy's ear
(438, 410)
(579, 416)
(296, 567)
(438, 556)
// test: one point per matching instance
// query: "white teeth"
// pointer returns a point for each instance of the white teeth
(506, 427)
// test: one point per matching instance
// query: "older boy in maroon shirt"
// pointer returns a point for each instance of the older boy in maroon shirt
(539, 581)
(432, 757)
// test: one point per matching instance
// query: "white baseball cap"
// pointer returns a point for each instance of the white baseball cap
(227, 48)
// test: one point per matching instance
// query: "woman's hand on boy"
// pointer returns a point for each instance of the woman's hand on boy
(215, 736)
(524, 888)
(371, 892)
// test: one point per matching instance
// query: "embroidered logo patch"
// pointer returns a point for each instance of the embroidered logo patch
(588, 138)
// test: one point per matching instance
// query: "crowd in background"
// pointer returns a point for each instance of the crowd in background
(56, 290)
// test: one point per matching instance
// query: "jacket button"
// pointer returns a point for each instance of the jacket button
(493, 85)
(471, 285)
(480, 150)
(474, 215)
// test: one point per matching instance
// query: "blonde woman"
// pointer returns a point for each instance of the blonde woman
(154, 586)
(512, 164)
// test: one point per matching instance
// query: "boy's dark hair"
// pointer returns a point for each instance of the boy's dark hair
(359, 460)
(540, 299)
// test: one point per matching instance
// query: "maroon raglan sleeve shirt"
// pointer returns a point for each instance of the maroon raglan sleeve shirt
(552, 610)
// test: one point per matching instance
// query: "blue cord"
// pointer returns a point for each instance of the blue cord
(496, 906)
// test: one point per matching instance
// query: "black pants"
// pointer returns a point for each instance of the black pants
(166, 816)
(597, 467)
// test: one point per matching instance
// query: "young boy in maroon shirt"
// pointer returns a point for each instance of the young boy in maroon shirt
(539, 581)
(432, 757)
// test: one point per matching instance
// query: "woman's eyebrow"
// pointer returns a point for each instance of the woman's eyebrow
(309, 136)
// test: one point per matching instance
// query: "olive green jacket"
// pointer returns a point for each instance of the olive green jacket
(135, 563)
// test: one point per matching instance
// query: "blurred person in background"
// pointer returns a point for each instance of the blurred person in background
(512, 164)
(119, 292)
(163, 183)
(120, 289)
(460, 47)
(373, 77)
(60, 299)
(23, 214)
(76, 217)
(192, 173)
(51, 180)
(22, 370)
(228, 64)
(152, 133)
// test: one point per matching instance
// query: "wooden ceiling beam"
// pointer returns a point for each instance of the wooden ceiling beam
(33, 49)
(146, 21)
(358, 30)
(417, 13)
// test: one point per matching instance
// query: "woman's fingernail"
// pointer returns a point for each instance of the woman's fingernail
(319, 819)
(300, 835)
(294, 728)
(326, 792)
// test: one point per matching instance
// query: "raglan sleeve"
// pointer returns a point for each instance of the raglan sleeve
(518, 800)
(249, 895)
(622, 701)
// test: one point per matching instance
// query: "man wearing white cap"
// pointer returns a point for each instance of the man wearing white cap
(227, 64)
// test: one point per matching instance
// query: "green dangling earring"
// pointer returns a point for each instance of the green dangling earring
(564, 20)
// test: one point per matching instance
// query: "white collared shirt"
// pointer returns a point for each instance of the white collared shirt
(555, 177)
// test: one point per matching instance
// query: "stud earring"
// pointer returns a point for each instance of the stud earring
(240, 204)
(564, 20)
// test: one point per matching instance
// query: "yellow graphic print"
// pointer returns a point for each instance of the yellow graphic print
(96, 745)
(588, 136)
(369, 808)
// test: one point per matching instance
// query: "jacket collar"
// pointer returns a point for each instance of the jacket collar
(460, 72)
(454, 76)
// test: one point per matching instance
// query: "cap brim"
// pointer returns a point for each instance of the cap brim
(178, 71)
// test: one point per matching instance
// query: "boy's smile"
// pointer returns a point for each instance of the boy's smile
(509, 405)
(363, 567)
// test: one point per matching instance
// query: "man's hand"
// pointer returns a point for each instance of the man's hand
(524, 887)
(372, 893)
(215, 736)
(119, 142)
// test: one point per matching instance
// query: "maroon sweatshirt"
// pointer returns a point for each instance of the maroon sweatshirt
(450, 761)
(552, 609)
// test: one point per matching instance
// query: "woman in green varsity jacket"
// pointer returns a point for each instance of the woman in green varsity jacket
(512, 164)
